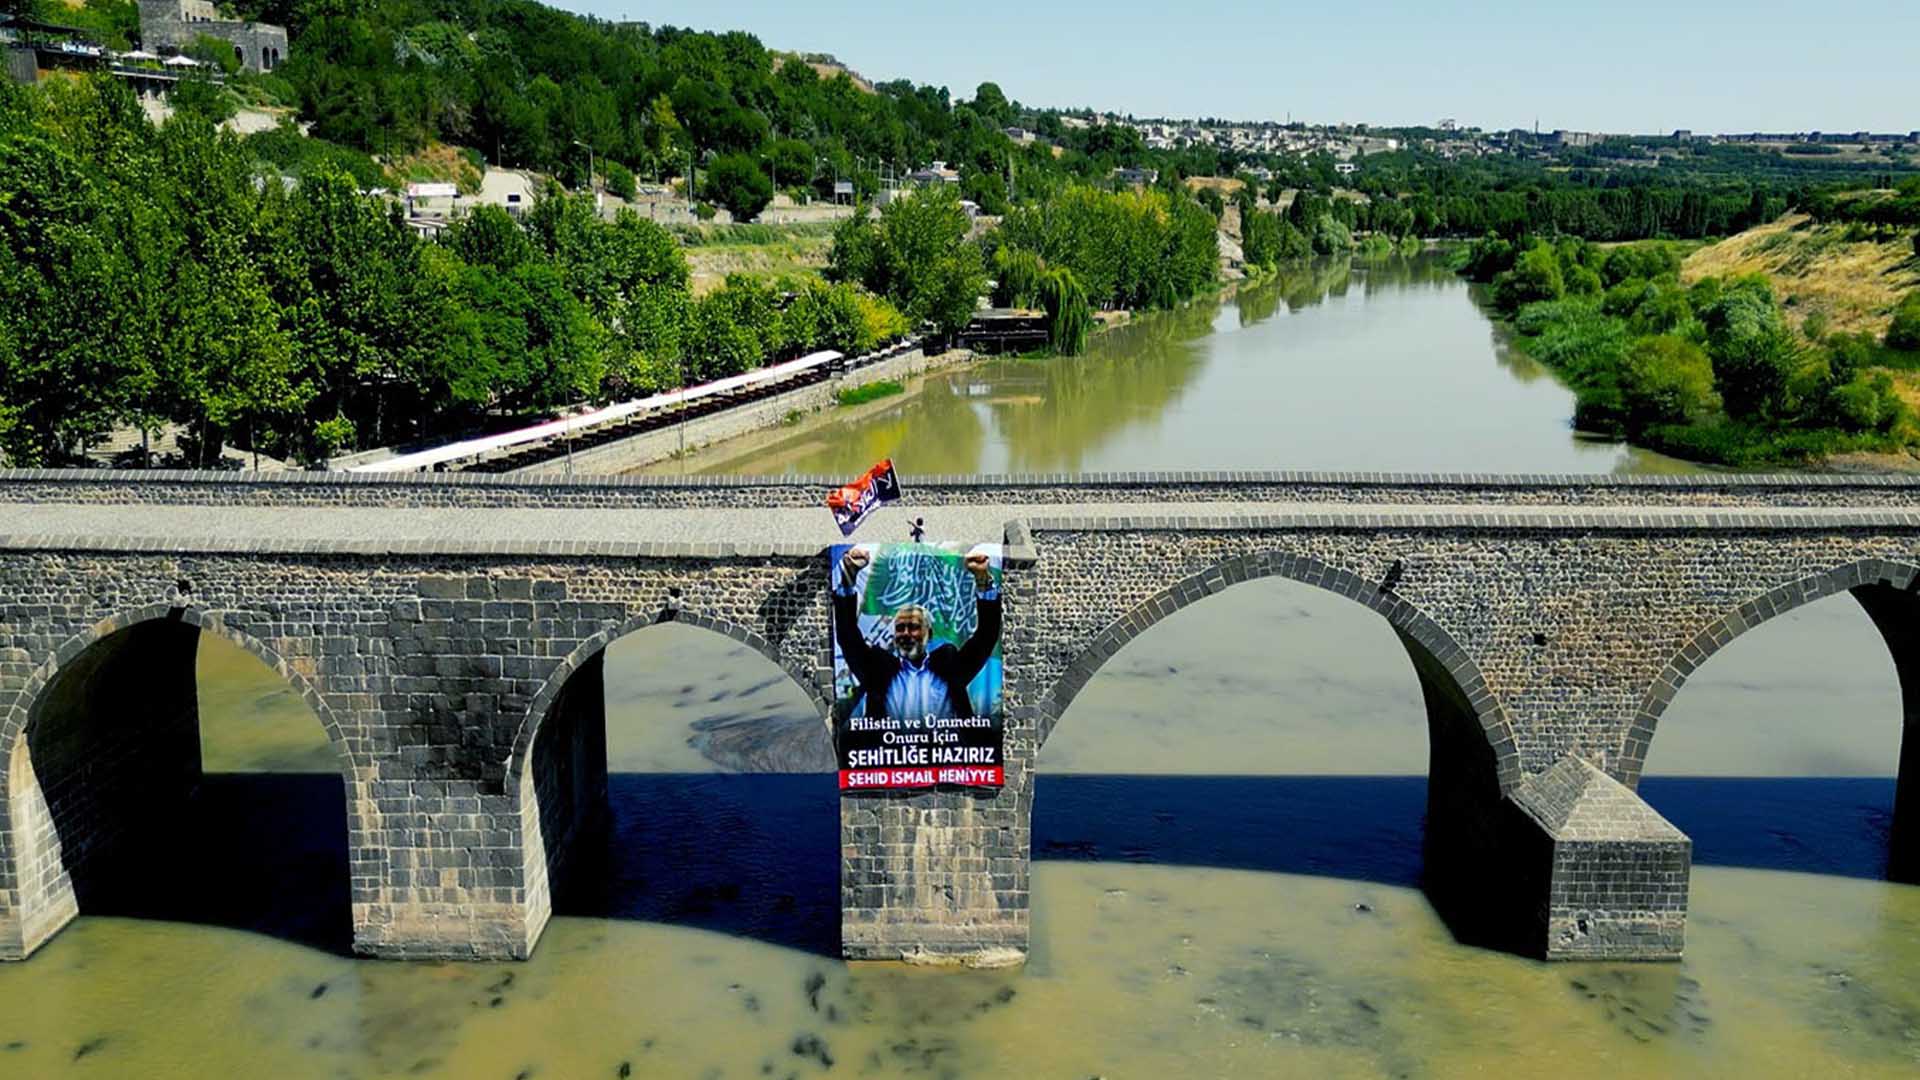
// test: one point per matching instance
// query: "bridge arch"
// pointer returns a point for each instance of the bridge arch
(1885, 589)
(1449, 677)
(1889, 591)
(74, 782)
(19, 716)
(557, 769)
(590, 652)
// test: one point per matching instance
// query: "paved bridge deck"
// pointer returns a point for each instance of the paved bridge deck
(794, 531)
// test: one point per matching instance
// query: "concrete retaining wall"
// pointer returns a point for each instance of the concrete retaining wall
(664, 443)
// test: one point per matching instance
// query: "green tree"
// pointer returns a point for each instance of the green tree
(1755, 357)
(737, 182)
(1904, 331)
(1535, 277)
(916, 254)
(1667, 380)
(488, 236)
(1069, 320)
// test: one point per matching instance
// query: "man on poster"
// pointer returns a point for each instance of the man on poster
(910, 680)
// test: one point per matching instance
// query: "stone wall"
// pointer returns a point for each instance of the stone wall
(665, 443)
(462, 693)
(114, 741)
(170, 24)
(429, 490)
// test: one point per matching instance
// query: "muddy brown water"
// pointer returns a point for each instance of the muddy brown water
(1227, 822)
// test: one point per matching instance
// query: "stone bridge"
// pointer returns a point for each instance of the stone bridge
(448, 631)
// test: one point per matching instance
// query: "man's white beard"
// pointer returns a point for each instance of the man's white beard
(912, 654)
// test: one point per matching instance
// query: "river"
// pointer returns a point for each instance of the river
(1197, 912)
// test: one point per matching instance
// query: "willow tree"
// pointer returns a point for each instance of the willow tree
(1069, 319)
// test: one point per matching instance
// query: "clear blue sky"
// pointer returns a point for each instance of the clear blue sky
(1619, 66)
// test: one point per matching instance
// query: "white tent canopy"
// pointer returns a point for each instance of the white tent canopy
(466, 448)
(182, 61)
(139, 54)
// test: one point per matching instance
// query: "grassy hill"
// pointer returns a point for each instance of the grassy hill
(1856, 282)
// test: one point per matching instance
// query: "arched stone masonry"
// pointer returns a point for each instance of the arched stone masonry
(102, 735)
(558, 770)
(434, 623)
(1887, 591)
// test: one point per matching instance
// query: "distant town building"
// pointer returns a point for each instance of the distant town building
(176, 24)
(431, 200)
(1137, 177)
(936, 173)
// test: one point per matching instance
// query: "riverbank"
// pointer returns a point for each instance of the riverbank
(1711, 370)
(1252, 376)
(670, 443)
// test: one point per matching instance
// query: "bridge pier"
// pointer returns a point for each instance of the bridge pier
(938, 877)
(1896, 614)
(1603, 875)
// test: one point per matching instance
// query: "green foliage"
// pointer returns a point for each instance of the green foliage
(1487, 258)
(1755, 358)
(620, 181)
(873, 391)
(736, 182)
(1666, 380)
(915, 253)
(1069, 320)
(1131, 249)
(1535, 277)
(199, 96)
(1017, 277)
(290, 152)
(1904, 331)
(488, 236)
(1268, 239)
(1711, 372)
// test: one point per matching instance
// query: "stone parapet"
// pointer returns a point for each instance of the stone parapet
(424, 490)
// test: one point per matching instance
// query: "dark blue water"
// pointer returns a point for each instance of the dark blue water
(758, 855)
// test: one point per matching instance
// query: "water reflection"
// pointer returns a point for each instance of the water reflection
(1404, 372)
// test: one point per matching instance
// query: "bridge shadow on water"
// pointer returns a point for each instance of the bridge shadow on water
(757, 855)
(1368, 828)
(260, 852)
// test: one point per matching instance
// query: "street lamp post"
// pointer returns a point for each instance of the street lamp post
(590, 188)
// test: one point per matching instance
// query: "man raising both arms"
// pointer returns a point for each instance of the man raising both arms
(910, 679)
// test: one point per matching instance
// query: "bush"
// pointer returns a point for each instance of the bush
(737, 182)
(620, 181)
(1667, 380)
(1535, 277)
(1487, 258)
(1904, 332)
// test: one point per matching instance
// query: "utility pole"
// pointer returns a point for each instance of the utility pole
(596, 195)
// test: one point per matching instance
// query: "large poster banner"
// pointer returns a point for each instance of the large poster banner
(916, 665)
